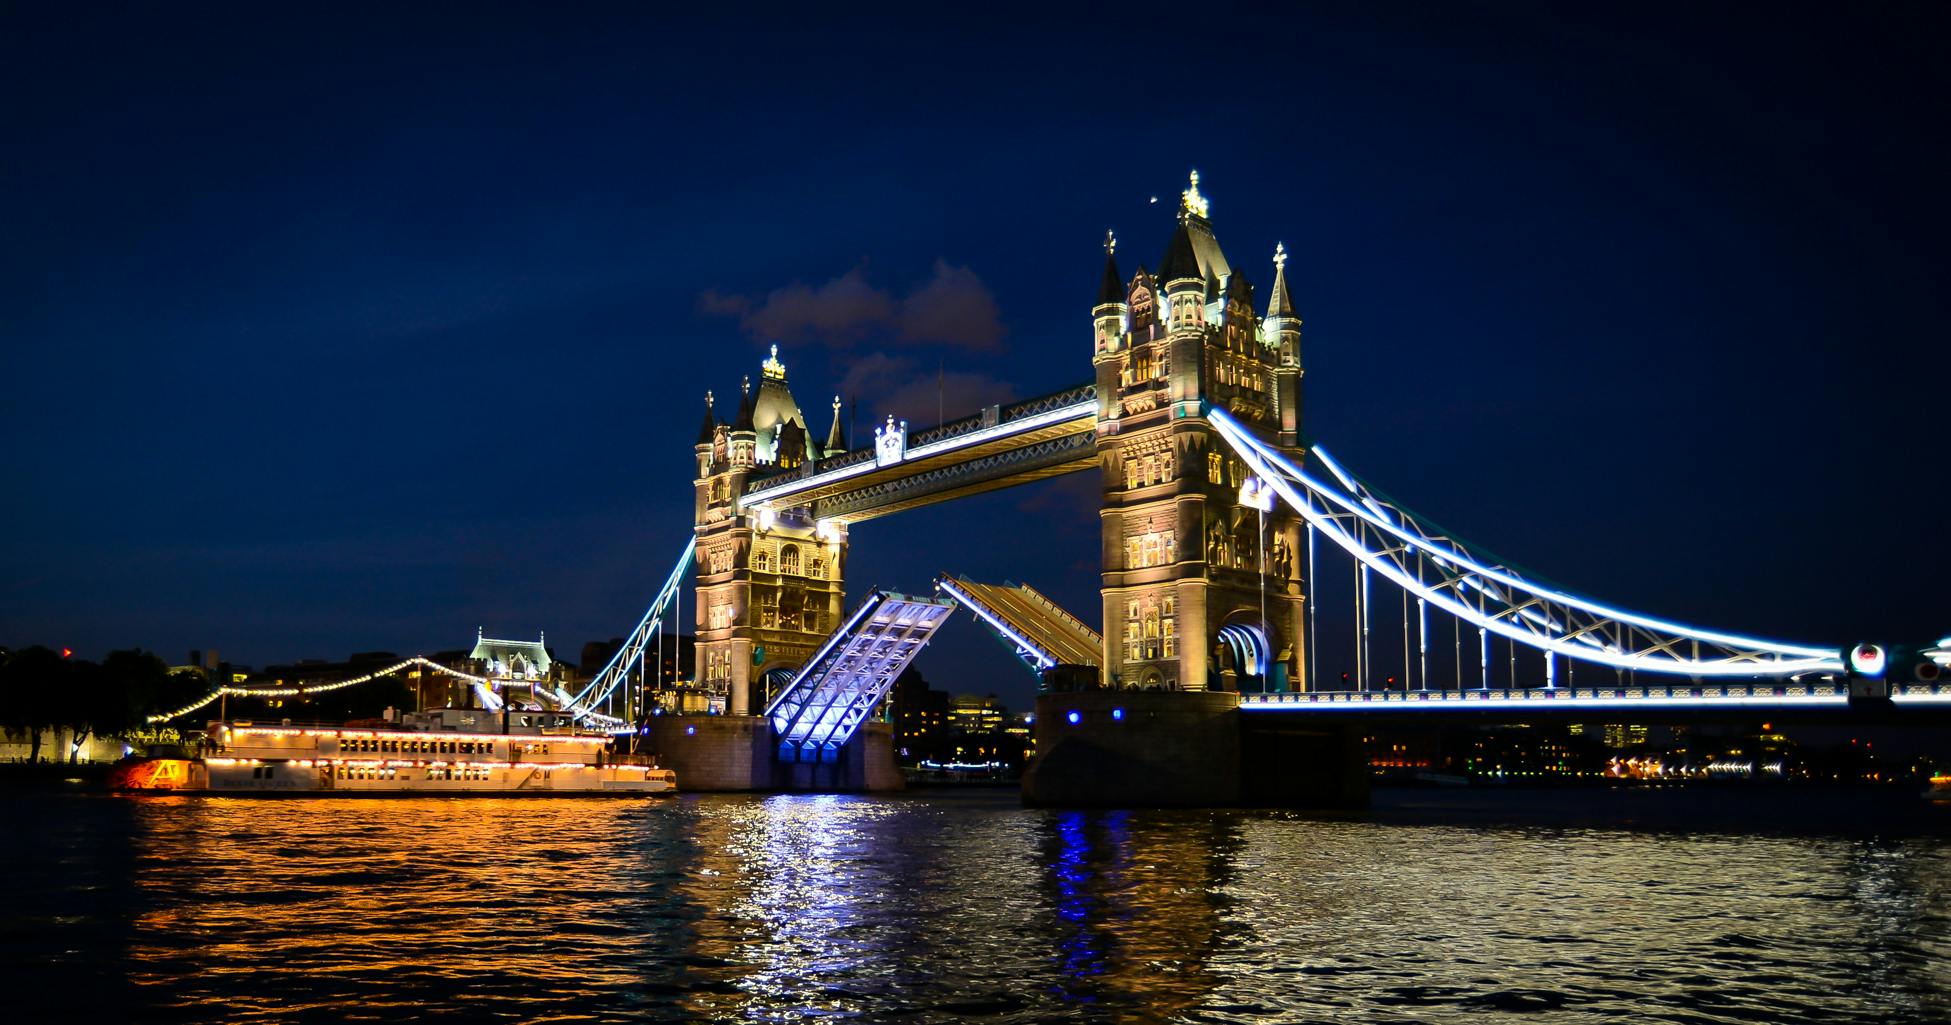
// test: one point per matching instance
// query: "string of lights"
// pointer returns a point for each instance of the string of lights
(303, 690)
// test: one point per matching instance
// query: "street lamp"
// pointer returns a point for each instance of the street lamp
(1259, 496)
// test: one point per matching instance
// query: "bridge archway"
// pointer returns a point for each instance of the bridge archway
(1245, 650)
(775, 678)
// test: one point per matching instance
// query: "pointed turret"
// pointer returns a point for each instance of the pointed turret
(836, 438)
(1180, 263)
(1281, 331)
(744, 421)
(1110, 314)
(710, 427)
(1113, 288)
(1282, 304)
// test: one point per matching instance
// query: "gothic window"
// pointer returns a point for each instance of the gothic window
(762, 560)
(1168, 627)
(1215, 468)
(816, 567)
(1165, 465)
(789, 559)
(1151, 632)
(1131, 474)
(1134, 634)
(791, 605)
(1149, 553)
(768, 610)
(1132, 553)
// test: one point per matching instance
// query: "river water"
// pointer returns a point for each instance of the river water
(1435, 907)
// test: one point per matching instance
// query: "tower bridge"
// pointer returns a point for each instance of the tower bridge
(1194, 681)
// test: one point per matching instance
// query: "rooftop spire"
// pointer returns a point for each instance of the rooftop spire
(772, 368)
(1281, 305)
(711, 423)
(744, 421)
(1113, 289)
(836, 438)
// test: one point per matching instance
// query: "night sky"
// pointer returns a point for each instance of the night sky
(342, 328)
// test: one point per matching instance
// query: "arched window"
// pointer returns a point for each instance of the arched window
(762, 560)
(789, 559)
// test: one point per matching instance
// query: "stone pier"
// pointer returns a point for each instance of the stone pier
(1141, 749)
(737, 753)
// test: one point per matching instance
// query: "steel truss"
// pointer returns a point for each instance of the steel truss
(583, 704)
(1443, 571)
(816, 714)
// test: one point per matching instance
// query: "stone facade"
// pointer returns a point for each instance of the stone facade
(769, 586)
(1187, 567)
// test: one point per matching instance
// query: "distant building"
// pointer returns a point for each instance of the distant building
(920, 717)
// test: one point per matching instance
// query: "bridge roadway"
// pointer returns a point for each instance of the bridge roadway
(1003, 445)
(1679, 700)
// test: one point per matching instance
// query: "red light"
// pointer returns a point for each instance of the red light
(65, 652)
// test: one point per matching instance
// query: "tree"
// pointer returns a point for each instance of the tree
(115, 697)
(31, 681)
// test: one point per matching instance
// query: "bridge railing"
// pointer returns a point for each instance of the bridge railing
(1764, 693)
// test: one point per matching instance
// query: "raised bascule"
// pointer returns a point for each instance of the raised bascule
(1197, 686)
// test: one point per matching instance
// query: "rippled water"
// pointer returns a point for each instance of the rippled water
(959, 907)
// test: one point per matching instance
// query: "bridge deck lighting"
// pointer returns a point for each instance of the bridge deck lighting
(1117, 713)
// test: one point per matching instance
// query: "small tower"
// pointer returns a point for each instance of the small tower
(745, 437)
(707, 438)
(1282, 332)
(1111, 311)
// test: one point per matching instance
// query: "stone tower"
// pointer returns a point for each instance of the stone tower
(1188, 568)
(770, 586)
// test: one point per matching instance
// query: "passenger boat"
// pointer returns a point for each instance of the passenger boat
(446, 751)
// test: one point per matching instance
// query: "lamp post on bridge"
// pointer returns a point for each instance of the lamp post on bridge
(1259, 496)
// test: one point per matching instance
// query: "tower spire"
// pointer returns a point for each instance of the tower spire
(744, 421)
(1113, 288)
(1281, 305)
(710, 424)
(836, 438)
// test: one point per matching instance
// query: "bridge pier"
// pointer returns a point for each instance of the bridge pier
(1185, 749)
(738, 754)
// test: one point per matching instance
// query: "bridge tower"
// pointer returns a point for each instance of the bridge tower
(1198, 594)
(770, 583)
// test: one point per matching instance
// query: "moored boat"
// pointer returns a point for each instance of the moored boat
(445, 752)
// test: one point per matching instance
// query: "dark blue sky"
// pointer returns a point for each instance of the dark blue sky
(340, 328)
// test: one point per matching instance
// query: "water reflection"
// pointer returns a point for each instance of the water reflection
(948, 909)
(1139, 900)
